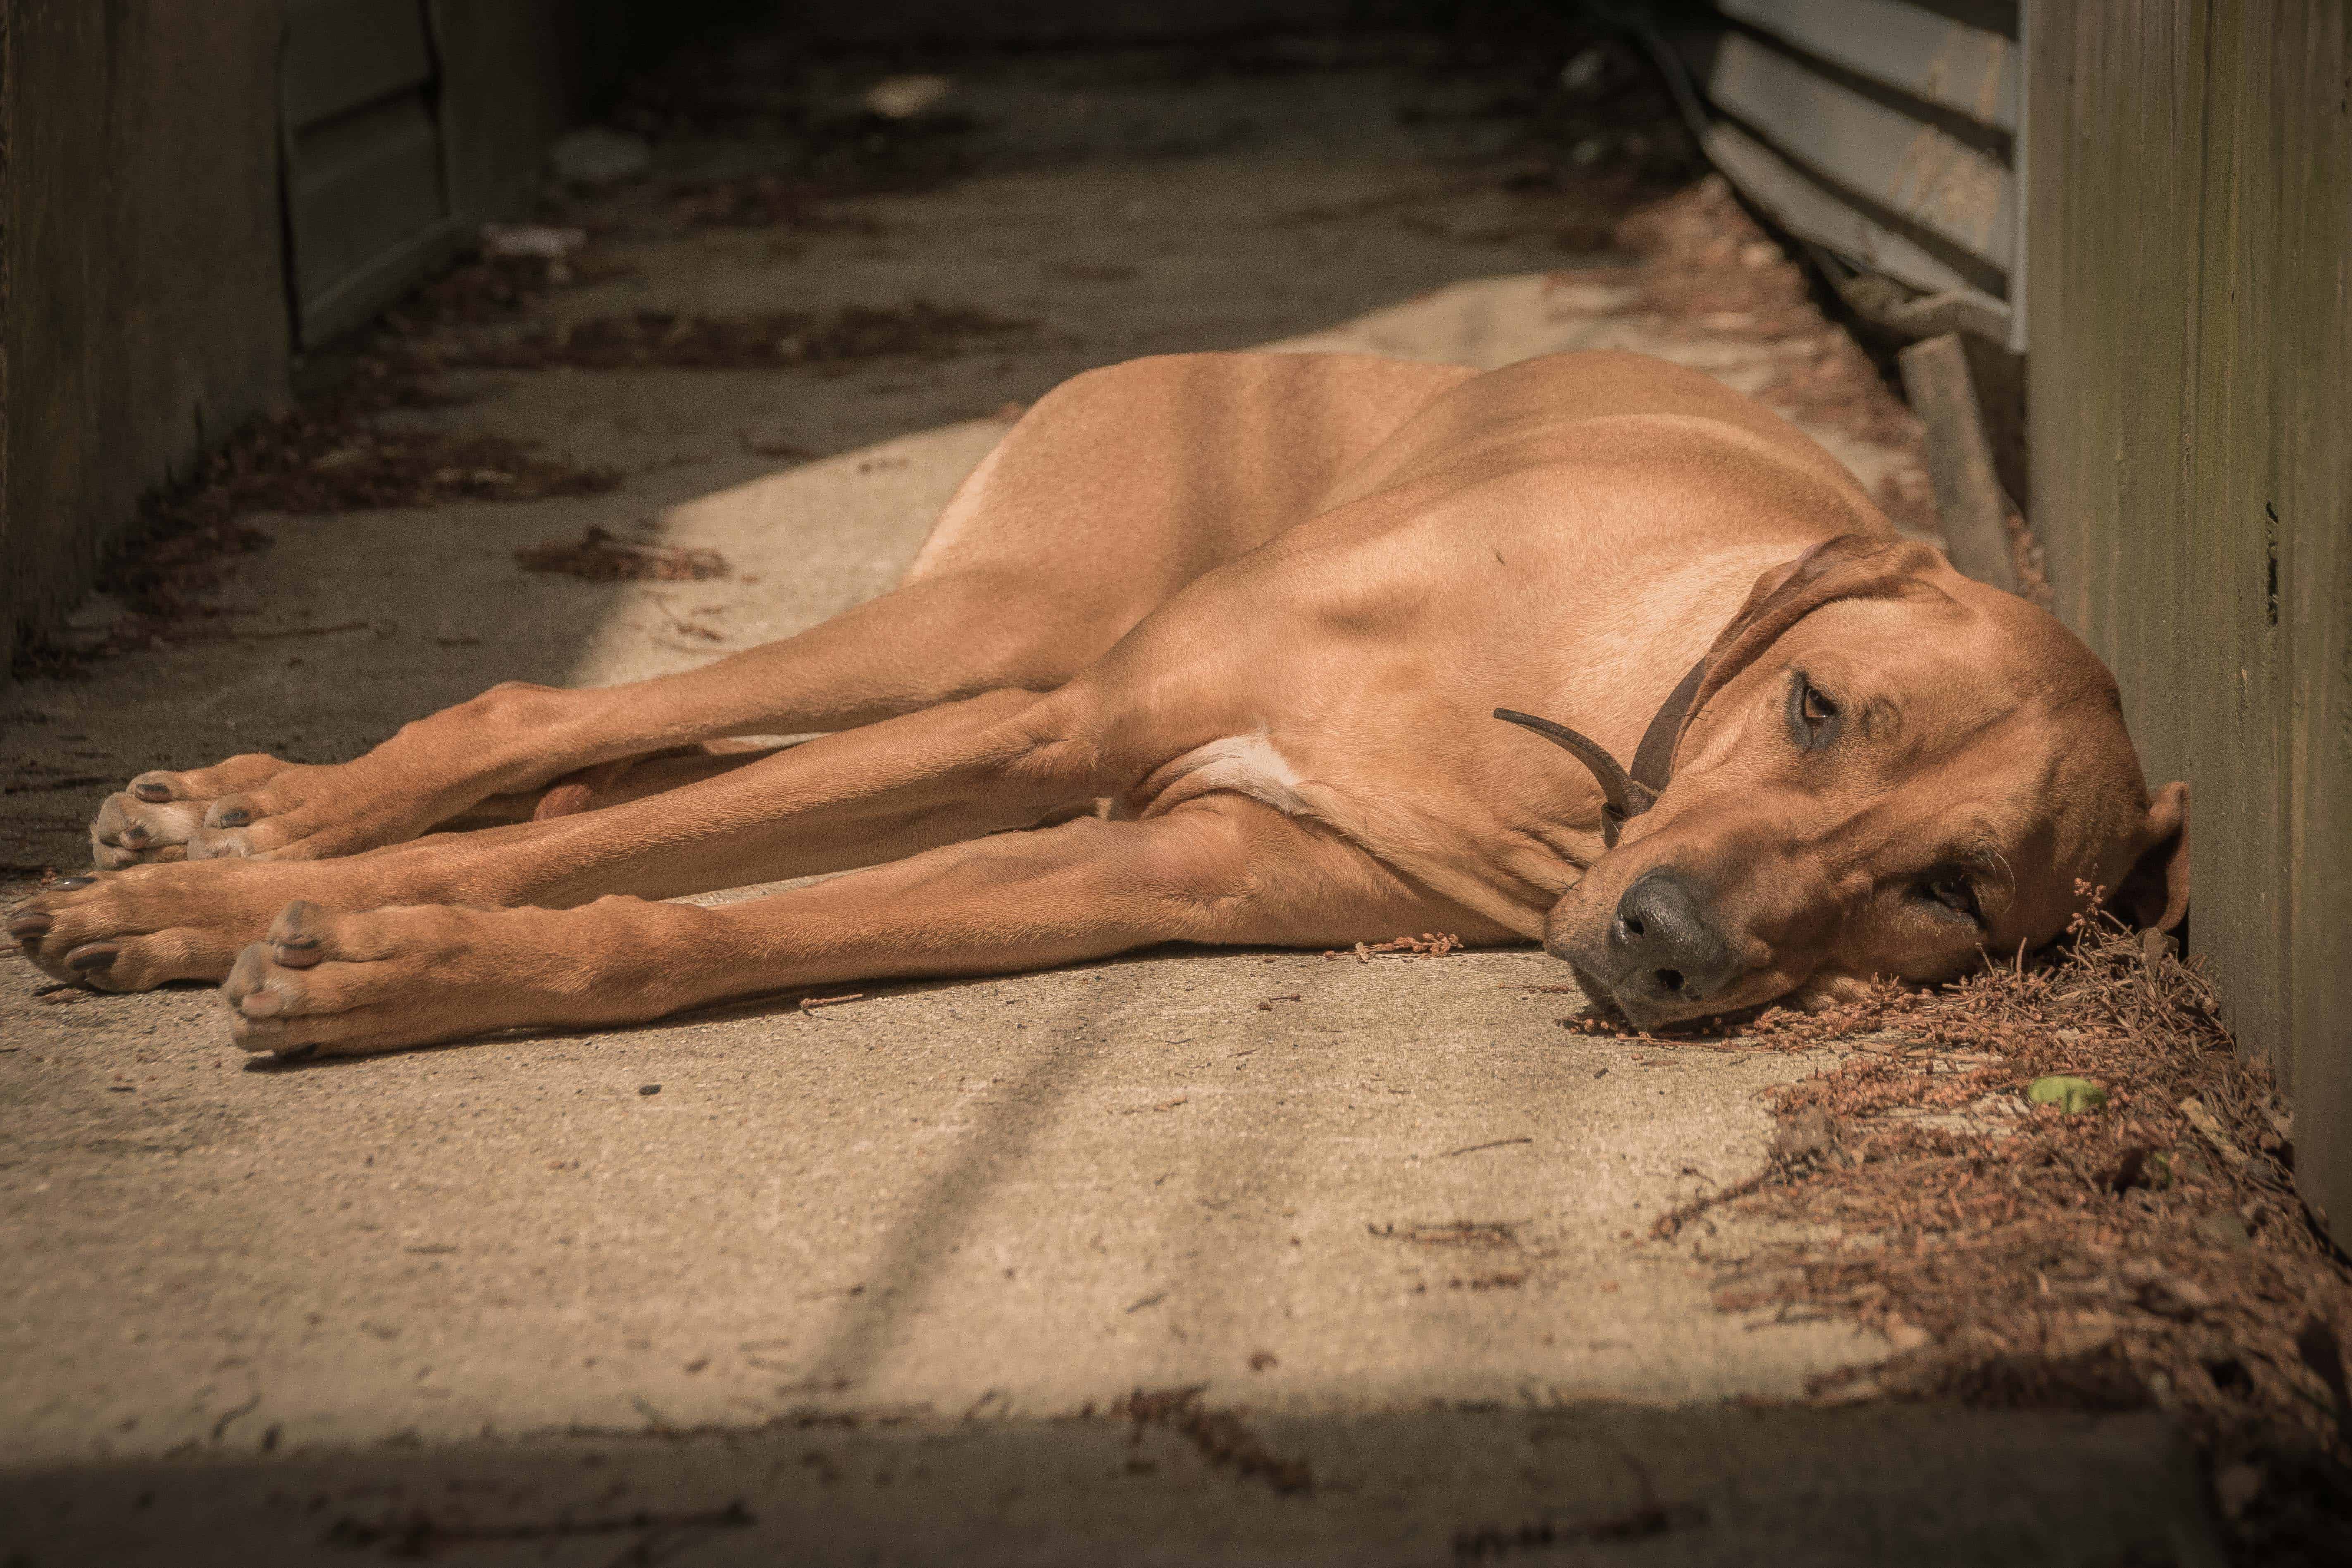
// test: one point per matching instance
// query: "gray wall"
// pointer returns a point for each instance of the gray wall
(146, 311)
(141, 256)
(2190, 357)
(1055, 21)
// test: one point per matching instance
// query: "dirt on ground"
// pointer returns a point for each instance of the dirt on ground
(769, 340)
(332, 454)
(599, 557)
(2058, 1184)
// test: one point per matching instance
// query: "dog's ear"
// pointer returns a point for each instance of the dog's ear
(2154, 891)
(1850, 566)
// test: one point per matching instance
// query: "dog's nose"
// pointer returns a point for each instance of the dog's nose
(1666, 948)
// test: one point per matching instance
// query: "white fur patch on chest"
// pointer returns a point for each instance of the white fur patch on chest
(1247, 764)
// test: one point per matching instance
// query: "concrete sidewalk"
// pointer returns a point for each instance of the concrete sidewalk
(871, 1281)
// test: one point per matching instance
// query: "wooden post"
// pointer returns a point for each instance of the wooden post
(1959, 461)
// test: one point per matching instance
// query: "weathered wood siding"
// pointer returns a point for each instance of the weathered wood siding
(1884, 130)
(2189, 184)
(146, 207)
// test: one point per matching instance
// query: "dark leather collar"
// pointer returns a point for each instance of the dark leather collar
(1624, 795)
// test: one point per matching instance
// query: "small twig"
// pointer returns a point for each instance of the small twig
(1476, 1148)
(382, 627)
(1670, 1223)
(679, 623)
(810, 1004)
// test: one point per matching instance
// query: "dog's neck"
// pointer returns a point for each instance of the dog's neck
(1623, 793)
(1653, 759)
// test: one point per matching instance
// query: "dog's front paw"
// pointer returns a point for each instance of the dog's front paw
(159, 815)
(256, 808)
(350, 984)
(147, 925)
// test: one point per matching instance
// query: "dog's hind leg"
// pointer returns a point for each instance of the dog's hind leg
(1122, 486)
(1220, 870)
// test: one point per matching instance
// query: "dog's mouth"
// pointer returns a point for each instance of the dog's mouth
(1656, 962)
(1600, 993)
(1627, 1005)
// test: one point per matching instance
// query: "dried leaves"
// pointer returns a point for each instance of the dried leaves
(1477, 1233)
(764, 201)
(1223, 1437)
(489, 290)
(765, 340)
(600, 557)
(333, 454)
(2151, 1249)
(369, 468)
(1428, 944)
(1707, 271)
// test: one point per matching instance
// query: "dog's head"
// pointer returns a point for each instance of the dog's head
(1887, 769)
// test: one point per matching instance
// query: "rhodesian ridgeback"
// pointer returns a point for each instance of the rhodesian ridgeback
(1211, 648)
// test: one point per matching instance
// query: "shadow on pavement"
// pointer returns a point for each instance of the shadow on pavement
(1720, 1484)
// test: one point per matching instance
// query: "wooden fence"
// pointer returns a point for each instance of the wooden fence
(2189, 352)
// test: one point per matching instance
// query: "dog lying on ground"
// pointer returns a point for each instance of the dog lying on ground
(1227, 636)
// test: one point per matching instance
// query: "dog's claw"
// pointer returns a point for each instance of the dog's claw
(92, 957)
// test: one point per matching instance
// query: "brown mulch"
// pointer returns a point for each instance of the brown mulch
(764, 201)
(2148, 1251)
(601, 557)
(1908, 499)
(363, 468)
(767, 339)
(1428, 944)
(1706, 271)
(1223, 1437)
(2033, 570)
(493, 289)
(329, 455)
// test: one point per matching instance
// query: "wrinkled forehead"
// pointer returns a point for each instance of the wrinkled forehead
(1982, 708)
(1957, 660)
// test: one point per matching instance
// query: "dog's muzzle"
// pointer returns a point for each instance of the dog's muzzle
(1660, 953)
(1668, 952)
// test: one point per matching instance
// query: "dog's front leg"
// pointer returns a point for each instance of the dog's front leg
(488, 759)
(1224, 869)
(874, 794)
(513, 737)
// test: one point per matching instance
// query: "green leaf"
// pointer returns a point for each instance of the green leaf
(2070, 1095)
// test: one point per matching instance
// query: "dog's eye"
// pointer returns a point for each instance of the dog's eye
(1955, 892)
(1812, 716)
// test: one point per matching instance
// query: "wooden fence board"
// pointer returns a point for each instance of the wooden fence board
(2190, 191)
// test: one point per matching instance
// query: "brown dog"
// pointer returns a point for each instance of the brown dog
(1239, 625)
